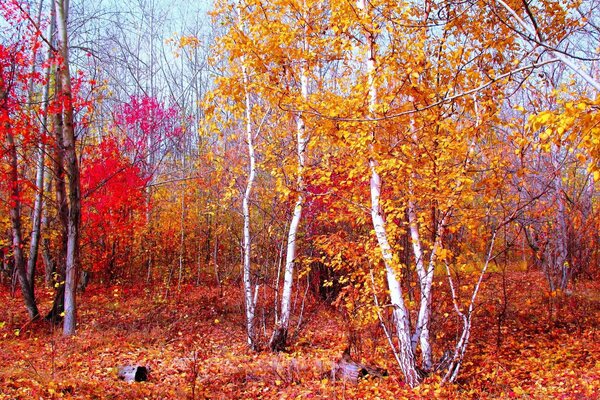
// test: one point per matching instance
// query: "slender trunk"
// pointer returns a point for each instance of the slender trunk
(37, 215)
(58, 265)
(279, 338)
(215, 254)
(15, 207)
(401, 317)
(40, 170)
(419, 264)
(405, 354)
(181, 240)
(149, 265)
(247, 244)
(198, 263)
(424, 317)
(148, 243)
(208, 246)
(279, 261)
(463, 342)
(562, 238)
(421, 333)
(72, 168)
(290, 259)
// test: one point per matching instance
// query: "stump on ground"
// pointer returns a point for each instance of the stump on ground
(350, 370)
(278, 339)
(133, 373)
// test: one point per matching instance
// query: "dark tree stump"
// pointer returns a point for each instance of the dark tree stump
(278, 340)
(133, 373)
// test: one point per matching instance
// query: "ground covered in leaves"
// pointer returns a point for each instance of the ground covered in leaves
(526, 344)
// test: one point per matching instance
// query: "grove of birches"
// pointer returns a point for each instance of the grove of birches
(300, 198)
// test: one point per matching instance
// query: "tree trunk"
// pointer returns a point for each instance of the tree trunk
(181, 238)
(40, 170)
(247, 244)
(421, 333)
(405, 353)
(561, 266)
(15, 207)
(280, 335)
(279, 338)
(401, 317)
(58, 264)
(461, 346)
(72, 169)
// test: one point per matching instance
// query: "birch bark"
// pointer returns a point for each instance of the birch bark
(247, 244)
(290, 259)
(421, 333)
(401, 317)
(279, 338)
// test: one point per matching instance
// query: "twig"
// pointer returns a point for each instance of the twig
(385, 330)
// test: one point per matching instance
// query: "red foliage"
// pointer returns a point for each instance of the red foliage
(113, 206)
(149, 127)
(15, 116)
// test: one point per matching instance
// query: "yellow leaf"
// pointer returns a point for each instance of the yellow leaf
(518, 391)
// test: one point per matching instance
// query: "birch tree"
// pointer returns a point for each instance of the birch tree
(72, 170)
(247, 244)
(405, 354)
(280, 333)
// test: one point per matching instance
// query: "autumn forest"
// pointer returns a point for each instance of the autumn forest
(299, 199)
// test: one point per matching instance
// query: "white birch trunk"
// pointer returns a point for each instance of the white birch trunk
(37, 210)
(401, 317)
(421, 333)
(49, 263)
(418, 253)
(247, 245)
(279, 337)
(290, 258)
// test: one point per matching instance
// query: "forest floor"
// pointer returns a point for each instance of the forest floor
(529, 344)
